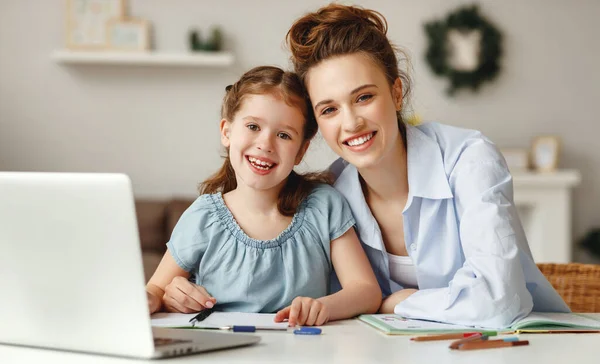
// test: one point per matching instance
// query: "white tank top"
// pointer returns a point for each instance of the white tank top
(402, 271)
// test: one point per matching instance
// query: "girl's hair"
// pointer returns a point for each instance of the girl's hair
(336, 30)
(287, 86)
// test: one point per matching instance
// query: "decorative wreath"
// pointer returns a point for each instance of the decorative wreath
(464, 47)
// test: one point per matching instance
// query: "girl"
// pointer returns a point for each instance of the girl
(262, 238)
(433, 203)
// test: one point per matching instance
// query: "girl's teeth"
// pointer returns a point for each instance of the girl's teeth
(260, 164)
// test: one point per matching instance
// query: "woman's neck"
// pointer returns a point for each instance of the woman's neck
(388, 180)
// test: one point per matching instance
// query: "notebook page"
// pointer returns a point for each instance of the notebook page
(396, 322)
(555, 318)
(168, 319)
(217, 320)
(260, 320)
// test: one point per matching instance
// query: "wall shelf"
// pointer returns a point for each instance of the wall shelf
(165, 59)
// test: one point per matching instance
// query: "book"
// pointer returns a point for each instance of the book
(539, 322)
(218, 320)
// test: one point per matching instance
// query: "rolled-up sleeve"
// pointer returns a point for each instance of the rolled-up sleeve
(489, 290)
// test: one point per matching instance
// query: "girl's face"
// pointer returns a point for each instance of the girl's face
(265, 141)
(356, 108)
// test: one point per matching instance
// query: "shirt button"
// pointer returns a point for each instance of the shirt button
(413, 247)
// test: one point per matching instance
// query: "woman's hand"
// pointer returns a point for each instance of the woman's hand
(388, 304)
(183, 296)
(154, 302)
(304, 311)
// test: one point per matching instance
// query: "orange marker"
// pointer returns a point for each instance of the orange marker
(447, 336)
(491, 344)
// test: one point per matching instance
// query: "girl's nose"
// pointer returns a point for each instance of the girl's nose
(265, 144)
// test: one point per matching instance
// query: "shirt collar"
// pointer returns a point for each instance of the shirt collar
(426, 174)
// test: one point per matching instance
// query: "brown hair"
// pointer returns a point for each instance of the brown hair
(286, 85)
(336, 30)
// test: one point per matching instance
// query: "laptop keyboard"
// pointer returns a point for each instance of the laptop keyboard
(166, 341)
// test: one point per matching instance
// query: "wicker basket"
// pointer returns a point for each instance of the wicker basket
(578, 284)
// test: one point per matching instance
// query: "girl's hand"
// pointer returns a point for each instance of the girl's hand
(183, 296)
(388, 304)
(154, 302)
(304, 311)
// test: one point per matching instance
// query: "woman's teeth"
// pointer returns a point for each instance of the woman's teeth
(360, 140)
(260, 164)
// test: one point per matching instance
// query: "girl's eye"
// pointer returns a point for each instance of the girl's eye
(363, 98)
(327, 110)
(253, 127)
(284, 136)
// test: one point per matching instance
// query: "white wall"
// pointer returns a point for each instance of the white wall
(159, 125)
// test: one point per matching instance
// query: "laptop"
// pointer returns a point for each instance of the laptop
(71, 270)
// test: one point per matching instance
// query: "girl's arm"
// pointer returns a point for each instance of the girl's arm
(169, 287)
(360, 291)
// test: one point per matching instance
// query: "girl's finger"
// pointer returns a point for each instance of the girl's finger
(282, 314)
(295, 309)
(315, 308)
(186, 301)
(303, 314)
(322, 318)
(173, 306)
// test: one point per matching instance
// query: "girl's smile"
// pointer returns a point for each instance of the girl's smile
(261, 166)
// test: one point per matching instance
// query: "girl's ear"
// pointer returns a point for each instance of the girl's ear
(397, 93)
(301, 152)
(225, 127)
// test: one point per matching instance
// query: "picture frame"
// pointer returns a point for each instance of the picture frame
(517, 159)
(128, 35)
(545, 152)
(87, 21)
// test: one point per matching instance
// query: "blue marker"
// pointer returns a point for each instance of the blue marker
(308, 331)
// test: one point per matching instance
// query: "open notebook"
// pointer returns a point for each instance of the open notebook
(539, 322)
(218, 320)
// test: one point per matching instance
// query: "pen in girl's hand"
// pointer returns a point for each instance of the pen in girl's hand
(202, 315)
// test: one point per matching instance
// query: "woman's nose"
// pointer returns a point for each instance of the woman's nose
(353, 122)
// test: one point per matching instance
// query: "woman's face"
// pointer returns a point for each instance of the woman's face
(356, 108)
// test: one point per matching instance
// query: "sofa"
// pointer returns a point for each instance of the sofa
(156, 220)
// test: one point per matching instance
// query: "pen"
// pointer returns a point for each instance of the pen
(457, 343)
(243, 328)
(491, 344)
(202, 315)
(452, 336)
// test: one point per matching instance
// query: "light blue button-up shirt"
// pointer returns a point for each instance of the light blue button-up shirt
(461, 229)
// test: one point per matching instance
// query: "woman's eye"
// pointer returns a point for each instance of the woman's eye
(253, 127)
(363, 98)
(327, 110)
(284, 136)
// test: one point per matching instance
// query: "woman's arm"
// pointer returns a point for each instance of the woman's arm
(360, 291)
(489, 289)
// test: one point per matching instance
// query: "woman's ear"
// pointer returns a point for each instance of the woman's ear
(397, 93)
(225, 127)
(301, 152)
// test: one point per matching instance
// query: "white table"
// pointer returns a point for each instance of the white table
(351, 341)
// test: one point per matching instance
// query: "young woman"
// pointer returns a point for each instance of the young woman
(262, 238)
(433, 203)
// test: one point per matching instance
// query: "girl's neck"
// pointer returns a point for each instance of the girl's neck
(388, 180)
(253, 201)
